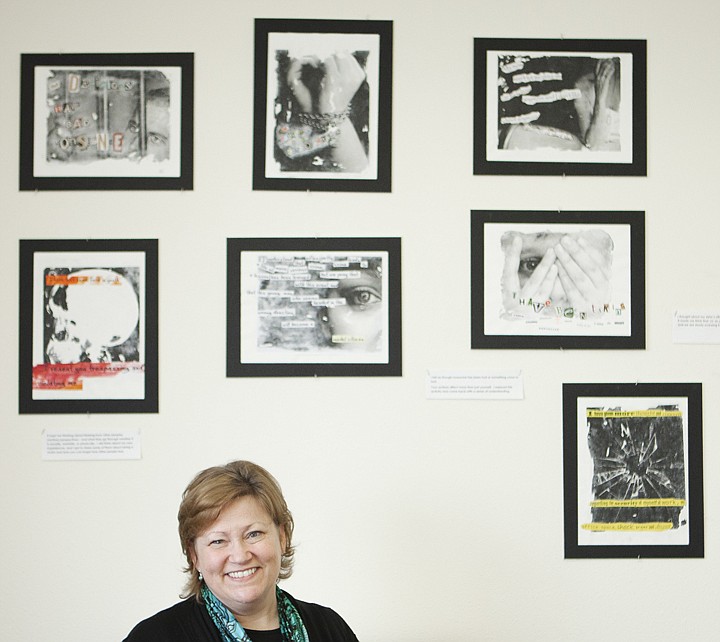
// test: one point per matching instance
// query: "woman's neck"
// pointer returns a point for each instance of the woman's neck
(265, 619)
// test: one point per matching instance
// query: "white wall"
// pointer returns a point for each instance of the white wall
(416, 520)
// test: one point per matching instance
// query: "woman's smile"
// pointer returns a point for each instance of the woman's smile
(239, 575)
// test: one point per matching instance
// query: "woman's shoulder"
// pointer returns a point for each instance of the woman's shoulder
(184, 621)
(322, 623)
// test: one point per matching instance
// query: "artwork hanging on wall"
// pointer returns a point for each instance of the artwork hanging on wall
(313, 306)
(88, 326)
(323, 105)
(633, 470)
(558, 279)
(106, 121)
(556, 107)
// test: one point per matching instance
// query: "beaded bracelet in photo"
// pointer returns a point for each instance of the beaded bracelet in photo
(297, 141)
(324, 122)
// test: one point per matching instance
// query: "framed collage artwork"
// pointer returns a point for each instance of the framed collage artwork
(314, 307)
(106, 121)
(88, 326)
(557, 279)
(560, 107)
(633, 470)
(323, 105)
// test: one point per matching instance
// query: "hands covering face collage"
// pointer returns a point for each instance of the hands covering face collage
(559, 270)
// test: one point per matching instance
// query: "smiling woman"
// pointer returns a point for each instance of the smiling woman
(236, 532)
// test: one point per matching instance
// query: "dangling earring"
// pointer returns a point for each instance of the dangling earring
(200, 576)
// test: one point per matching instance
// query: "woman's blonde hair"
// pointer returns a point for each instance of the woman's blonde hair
(215, 488)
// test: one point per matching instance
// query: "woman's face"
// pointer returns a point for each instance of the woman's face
(358, 324)
(239, 555)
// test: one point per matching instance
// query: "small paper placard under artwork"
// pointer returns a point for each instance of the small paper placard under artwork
(60, 445)
(474, 384)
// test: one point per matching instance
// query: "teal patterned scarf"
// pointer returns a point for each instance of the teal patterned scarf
(292, 628)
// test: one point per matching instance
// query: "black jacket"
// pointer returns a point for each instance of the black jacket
(189, 621)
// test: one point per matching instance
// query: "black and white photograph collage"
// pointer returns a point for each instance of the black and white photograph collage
(107, 121)
(560, 107)
(324, 307)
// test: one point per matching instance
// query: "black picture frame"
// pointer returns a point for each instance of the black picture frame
(518, 312)
(314, 307)
(633, 470)
(106, 121)
(88, 326)
(350, 151)
(535, 107)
